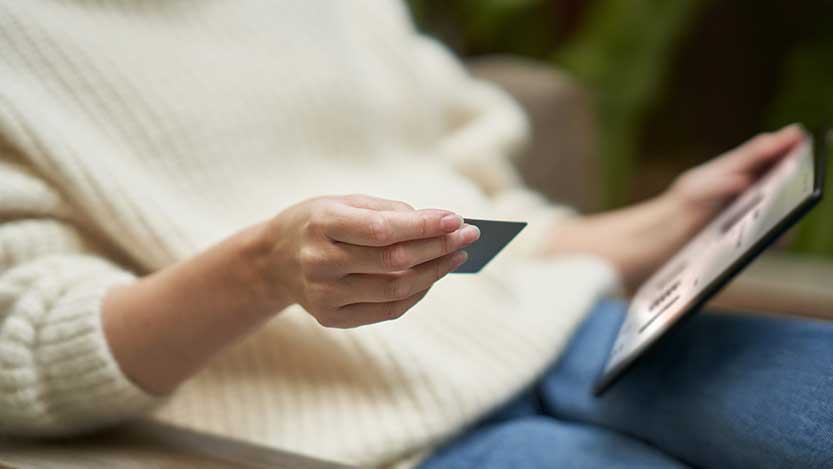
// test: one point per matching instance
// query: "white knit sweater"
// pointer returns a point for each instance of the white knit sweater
(133, 134)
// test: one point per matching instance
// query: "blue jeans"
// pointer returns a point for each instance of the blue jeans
(720, 391)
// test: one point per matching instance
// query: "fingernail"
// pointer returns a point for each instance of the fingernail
(470, 233)
(459, 258)
(794, 128)
(451, 222)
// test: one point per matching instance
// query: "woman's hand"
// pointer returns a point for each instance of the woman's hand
(703, 190)
(638, 239)
(349, 261)
(356, 260)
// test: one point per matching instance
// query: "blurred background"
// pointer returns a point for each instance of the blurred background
(669, 83)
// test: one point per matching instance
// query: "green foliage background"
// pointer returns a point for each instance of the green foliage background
(628, 52)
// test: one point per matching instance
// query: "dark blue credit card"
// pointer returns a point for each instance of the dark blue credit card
(494, 236)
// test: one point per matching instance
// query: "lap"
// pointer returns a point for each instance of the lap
(520, 434)
(538, 441)
(719, 391)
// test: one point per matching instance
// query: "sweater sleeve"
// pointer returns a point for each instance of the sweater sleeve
(486, 129)
(57, 375)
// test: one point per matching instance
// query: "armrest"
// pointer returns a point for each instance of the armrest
(151, 444)
(561, 160)
(782, 283)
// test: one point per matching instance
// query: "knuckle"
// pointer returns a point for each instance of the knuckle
(397, 288)
(323, 321)
(324, 198)
(443, 268)
(331, 320)
(447, 243)
(395, 257)
(379, 229)
(403, 206)
(354, 199)
(425, 225)
(392, 312)
(400, 310)
(312, 259)
(422, 295)
(323, 293)
(316, 222)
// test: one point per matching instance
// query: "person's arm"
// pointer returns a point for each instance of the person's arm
(85, 344)
(164, 327)
(638, 239)
(349, 261)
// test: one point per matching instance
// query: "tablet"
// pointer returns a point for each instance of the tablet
(738, 234)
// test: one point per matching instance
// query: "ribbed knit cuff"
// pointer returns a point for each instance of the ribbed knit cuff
(84, 386)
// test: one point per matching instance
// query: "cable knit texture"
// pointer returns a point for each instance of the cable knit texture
(134, 134)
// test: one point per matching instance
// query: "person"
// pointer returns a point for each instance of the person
(201, 202)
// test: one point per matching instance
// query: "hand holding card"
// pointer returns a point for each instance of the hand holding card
(494, 236)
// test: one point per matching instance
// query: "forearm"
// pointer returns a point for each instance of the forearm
(634, 239)
(164, 327)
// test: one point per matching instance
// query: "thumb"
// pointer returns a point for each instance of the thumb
(727, 187)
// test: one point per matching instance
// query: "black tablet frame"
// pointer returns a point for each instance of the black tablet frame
(821, 144)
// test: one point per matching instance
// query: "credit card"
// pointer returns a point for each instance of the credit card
(494, 236)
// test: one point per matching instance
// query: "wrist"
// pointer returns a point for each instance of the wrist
(259, 265)
(690, 215)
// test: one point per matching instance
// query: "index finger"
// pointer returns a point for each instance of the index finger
(365, 227)
(764, 148)
(375, 203)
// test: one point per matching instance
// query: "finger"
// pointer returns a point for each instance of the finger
(403, 256)
(360, 314)
(365, 227)
(730, 185)
(763, 149)
(369, 288)
(375, 203)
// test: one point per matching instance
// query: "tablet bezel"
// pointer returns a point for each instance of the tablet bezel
(820, 148)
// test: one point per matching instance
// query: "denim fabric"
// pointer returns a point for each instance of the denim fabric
(721, 391)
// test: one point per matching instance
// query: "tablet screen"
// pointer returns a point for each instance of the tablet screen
(718, 252)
